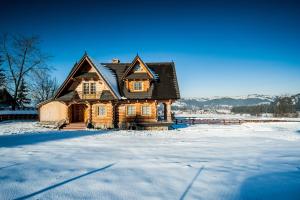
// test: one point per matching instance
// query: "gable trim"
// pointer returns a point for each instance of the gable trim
(74, 70)
(137, 58)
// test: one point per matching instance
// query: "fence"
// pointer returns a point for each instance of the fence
(18, 115)
(189, 120)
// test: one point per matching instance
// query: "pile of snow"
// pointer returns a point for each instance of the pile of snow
(20, 127)
(249, 161)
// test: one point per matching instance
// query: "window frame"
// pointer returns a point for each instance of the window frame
(142, 110)
(141, 88)
(86, 90)
(98, 111)
(127, 110)
(138, 68)
(94, 88)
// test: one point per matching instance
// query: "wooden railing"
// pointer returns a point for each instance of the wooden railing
(191, 120)
(82, 95)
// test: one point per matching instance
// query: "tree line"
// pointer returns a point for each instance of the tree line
(282, 106)
(24, 70)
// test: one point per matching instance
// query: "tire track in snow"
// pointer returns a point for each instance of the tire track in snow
(191, 183)
(10, 165)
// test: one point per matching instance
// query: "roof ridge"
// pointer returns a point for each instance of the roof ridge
(165, 62)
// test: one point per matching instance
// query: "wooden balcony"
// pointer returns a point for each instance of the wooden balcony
(81, 95)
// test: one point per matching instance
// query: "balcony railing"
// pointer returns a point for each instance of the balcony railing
(82, 95)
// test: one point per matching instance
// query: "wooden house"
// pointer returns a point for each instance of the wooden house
(6, 100)
(114, 95)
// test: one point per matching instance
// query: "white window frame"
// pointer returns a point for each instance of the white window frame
(104, 113)
(93, 91)
(84, 89)
(135, 82)
(133, 108)
(148, 110)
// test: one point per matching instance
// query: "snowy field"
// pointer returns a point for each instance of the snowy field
(248, 161)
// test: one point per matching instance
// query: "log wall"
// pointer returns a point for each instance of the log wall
(105, 121)
(124, 119)
(53, 111)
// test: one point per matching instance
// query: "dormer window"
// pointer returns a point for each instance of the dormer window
(138, 86)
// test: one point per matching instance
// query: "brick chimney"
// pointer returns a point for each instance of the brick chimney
(115, 60)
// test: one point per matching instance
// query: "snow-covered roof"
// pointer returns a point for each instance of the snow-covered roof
(153, 74)
(111, 79)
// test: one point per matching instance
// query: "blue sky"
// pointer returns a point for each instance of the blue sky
(219, 48)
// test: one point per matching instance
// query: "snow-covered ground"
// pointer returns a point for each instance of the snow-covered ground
(248, 161)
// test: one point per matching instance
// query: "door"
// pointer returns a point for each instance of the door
(78, 112)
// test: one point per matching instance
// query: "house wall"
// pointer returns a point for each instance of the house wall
(124, 120)
(53, 111)
(100, 86)
(102, 121)
(130, 85)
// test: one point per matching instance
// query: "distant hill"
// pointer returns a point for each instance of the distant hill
(222, 102)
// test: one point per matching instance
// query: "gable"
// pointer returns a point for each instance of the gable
(165, 85)
(138, 66)
(84, 70)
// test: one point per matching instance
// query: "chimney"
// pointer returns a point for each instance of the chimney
(115, 60)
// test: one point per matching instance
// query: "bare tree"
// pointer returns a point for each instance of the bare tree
(22, 56)
(43, 86)
(2, 74)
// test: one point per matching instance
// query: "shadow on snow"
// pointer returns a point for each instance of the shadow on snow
(33, 138)
(10, 166)
(64, 182)
(191, 184)
(283, 185)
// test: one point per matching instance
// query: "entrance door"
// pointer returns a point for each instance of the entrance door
(78, 112)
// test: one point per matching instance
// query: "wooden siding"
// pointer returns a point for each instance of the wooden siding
(130, 85)
(100, 86)
(53, 111)
(124, 119)
(105, 121)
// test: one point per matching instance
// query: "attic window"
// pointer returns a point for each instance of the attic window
(93, 88)
(86, 88)
(138, 68)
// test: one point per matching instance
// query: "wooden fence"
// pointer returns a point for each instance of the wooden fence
(189, 120)
(18, 117)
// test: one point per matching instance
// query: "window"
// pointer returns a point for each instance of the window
(89, 88)
(93, 88)
(86, 88)
(101, 111)
(138, 68)
(138, 85)
(131, 110)
(146, 110)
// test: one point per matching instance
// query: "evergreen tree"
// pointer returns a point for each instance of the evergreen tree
(23, 99)
(284, 106)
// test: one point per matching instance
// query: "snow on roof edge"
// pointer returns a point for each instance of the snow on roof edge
(111, 79)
